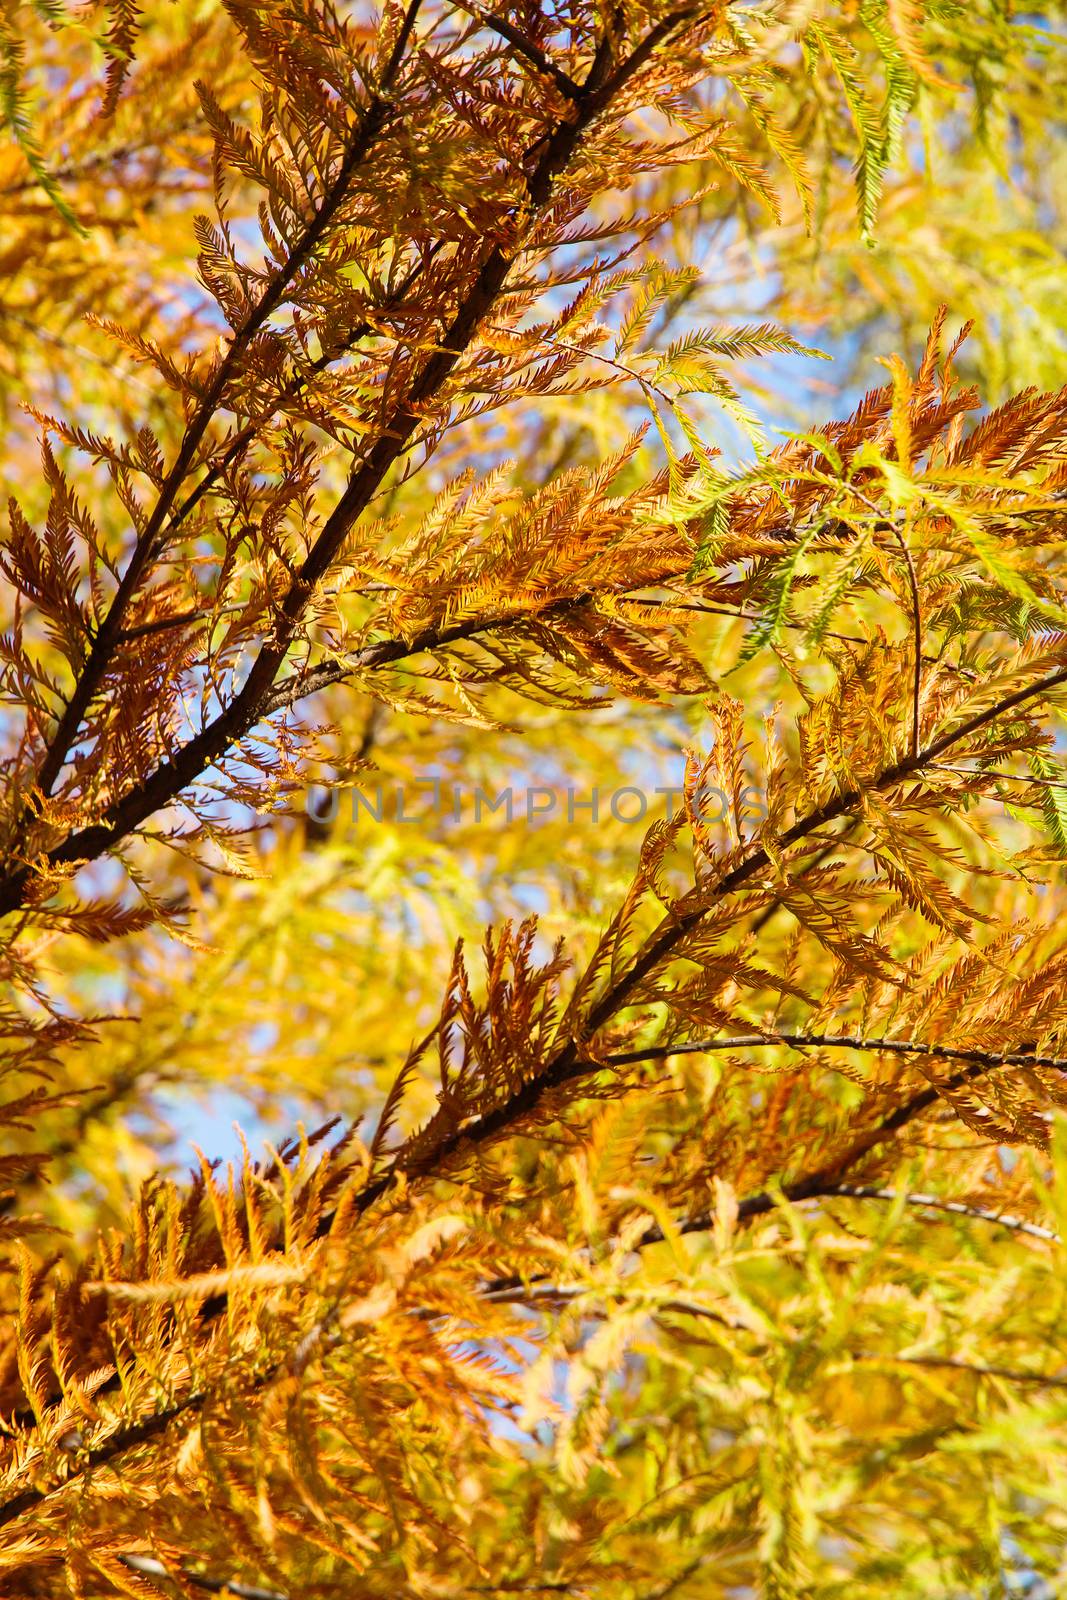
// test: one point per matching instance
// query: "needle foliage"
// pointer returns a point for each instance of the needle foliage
(578, 772)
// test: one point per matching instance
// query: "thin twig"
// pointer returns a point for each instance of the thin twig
(935, 1202)
(1045, 1380)
(527, 48)
(1033, 778)
(291, 392)
(540, 1286)
(818, 1041)
(745, 616)
(916, 613)
(161, 624)
(242, 1591)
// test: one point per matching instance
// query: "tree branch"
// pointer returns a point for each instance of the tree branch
(1045, 1380)
(151, 1568)
(916, 610)
(170, 778)
(571, 1064)
(820, 1186)
(933, 1202)
(107, 635)
(527, 48)
(825, 1181)
(987, 1059)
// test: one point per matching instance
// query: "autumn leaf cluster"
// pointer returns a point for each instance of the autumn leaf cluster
(438, 396)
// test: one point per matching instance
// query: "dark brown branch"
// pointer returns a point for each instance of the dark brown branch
(127, 1438)
(289, 393)
(643, 52)
(231, 725)
(776, 905)
(151, 1568)
(572, 1062)
(905, 1047)
(247, 708)
(542, 1287)
(180, 620)
(673, 929)
(527, 48)
(527, 1291)
(934, 1202)
(169, 779)
(827, 1180)
(917, 640)
(107, 636)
